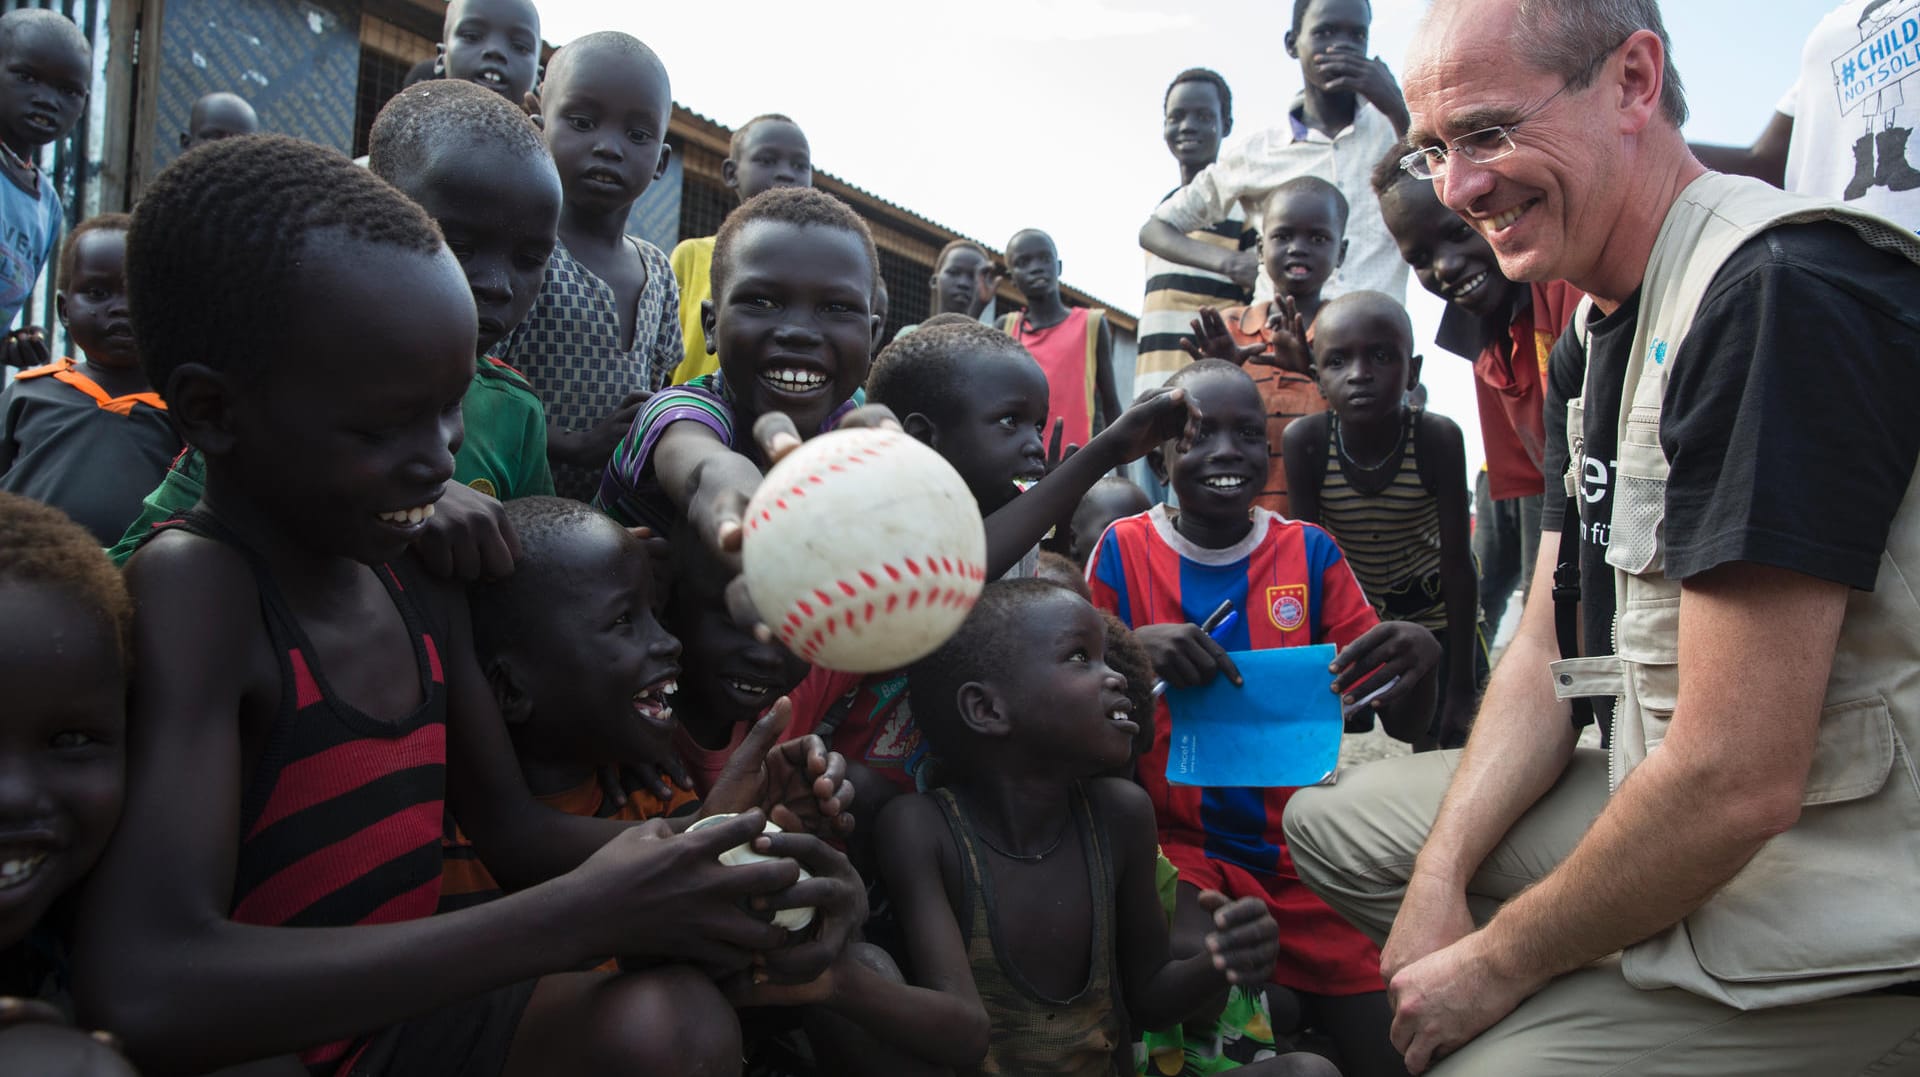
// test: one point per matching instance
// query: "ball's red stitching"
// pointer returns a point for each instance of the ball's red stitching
(826, 626)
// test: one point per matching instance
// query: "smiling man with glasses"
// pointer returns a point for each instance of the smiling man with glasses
(1732, 890)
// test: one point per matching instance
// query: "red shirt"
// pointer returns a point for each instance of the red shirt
(872, 720)
(1510, 380)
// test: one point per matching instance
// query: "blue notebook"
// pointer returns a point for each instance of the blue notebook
(1281, 728)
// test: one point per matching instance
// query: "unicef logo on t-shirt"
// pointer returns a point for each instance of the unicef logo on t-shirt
(1657, 351)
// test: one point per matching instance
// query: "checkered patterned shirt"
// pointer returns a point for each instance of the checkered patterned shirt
(568, 346)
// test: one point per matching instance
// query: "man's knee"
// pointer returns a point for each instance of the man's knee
(1311, 816)
(1378, 812)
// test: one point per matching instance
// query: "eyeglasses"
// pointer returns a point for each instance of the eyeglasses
(1489, 144)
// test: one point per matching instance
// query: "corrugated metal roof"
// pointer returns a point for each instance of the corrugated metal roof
(687, 122)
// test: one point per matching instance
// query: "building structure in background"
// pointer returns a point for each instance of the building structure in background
(322, 69)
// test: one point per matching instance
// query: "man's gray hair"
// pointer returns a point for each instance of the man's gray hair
(1564, 36)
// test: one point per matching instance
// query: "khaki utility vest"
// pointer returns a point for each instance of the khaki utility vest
(1832, 906)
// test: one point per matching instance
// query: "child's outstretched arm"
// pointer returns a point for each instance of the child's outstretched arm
(1159, 415)
(1161, 990)
(1442, 442)
(940, 1018)
(711, 485)
(159, 960)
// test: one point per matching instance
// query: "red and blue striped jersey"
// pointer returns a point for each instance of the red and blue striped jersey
(1291, 586)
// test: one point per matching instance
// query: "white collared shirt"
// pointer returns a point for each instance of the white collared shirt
(1249, 169)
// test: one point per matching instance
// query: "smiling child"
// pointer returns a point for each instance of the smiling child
(299, 668)
(1162, 573)
(791, 317)
(64, 626)
(766, 152)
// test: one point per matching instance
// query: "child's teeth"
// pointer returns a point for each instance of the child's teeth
(796, 380)
(418, 514)
(19, 869)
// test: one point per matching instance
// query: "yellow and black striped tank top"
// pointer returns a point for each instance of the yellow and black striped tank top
(1392, 537)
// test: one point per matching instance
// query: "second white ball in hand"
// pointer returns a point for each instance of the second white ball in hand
(864, 550)
(791, 919)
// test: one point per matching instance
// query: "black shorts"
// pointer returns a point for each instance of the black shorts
(469, 1038)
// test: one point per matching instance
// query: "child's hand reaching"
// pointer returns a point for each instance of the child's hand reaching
(1156, 417)
(719, 516)
(799, 783)
(1212, 340)
(468, 537)
(1289, 331)
(1245, 941)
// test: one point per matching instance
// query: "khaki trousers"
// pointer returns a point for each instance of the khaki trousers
(1354, 844)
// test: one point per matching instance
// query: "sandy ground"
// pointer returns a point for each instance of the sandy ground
(1358, 748)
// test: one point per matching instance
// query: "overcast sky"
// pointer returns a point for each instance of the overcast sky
(998, 115)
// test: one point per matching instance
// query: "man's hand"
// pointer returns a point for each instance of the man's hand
(25, 348)
(799, 783)
(1212, 339)
(593, 447)
(468, 537)
(1447, 998)
(1245, 941)
(1432, 917)
(1184, 656)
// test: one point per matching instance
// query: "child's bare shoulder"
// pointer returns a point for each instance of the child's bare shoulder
(177, 566)
(1124, 805)
(911, 824)
(1436, 429)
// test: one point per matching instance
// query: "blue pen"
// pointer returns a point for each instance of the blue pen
(1223, 620)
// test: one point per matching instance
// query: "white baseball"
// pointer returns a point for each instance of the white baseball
(791, 919)
(864, 550)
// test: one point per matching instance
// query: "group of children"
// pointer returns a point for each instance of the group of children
(412, 734)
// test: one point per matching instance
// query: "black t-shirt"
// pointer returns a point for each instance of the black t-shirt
(1791, 421)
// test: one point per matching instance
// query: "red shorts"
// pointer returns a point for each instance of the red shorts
(1320, 953)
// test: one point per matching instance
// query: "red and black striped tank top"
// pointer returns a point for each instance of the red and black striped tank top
(341, 820)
